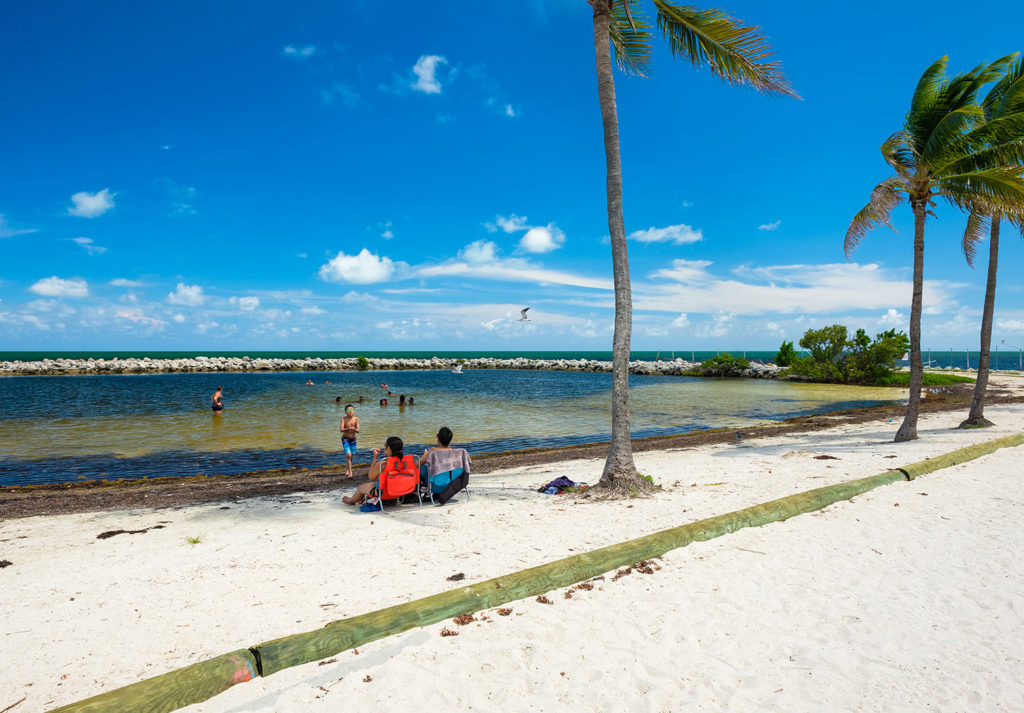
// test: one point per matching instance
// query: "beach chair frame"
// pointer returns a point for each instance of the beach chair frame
(441, 481)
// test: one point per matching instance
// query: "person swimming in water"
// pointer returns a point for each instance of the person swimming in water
(217, 401)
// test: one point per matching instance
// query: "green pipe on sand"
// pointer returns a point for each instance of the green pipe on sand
(203, 680)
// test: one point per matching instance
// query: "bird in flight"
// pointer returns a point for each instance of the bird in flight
(524, 318)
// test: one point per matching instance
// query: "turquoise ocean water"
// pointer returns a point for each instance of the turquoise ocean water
(74, 428)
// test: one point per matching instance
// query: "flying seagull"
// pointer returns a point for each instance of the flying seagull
(524, 318)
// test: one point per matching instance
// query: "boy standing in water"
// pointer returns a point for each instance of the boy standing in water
(349, 429)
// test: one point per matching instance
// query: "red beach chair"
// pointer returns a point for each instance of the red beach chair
(398, 477)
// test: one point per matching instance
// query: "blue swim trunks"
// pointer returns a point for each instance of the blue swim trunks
(349, 444)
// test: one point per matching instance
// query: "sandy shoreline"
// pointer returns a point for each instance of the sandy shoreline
(865, 606)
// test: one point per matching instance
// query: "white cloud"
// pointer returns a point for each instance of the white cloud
(514, 271)
(179, 318)
(313, 310)
(246, 304)
(129, 298)
(188, 295)
(719, 326)
(774, 225)
(57, 287)
(425, 70)
(510, 224)
(510, 111)
(206, 327)
(122, 282)
(686, 271)
(300, 53)
(6, 231)
(89, 245)
(479, 252)
(136, 316)
(542, 239)
(892, 318)
(91, 205)
(680, 322)
(387, 235)
(1010, 325)
(363, 269)
(675, 234)
(812, 289)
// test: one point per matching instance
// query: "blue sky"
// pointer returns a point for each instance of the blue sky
(363, 175)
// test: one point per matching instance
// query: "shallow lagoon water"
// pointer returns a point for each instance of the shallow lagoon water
(60, 429)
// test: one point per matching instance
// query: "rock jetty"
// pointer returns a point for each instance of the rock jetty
(55, 367)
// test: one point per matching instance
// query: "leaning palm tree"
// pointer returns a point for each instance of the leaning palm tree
(1004, 102)
(736, 54)
(938, 153)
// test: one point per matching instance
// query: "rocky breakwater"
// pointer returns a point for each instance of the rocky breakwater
(146, 365)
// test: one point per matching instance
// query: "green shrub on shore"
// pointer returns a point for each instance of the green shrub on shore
(787, 354)
(725, 364)
(362, 363)
(836, 359)
(902, 378)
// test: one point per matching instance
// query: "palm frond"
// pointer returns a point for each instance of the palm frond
(629, 33)
(1009, 87)
(941, 143)
(1011, 152)
(974, 233)
(734, 53)
(898, 154)
(884, 198)
(998, 189)
(925, 95)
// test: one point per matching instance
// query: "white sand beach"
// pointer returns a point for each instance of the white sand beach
(908, 598)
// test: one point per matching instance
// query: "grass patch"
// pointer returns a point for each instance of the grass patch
(193, 540)
(902, 378)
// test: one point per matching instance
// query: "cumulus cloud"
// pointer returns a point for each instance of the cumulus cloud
(479, 252)
(774, 225)
(91, 205)
(179, 318)
(892, 318)
(90, 246)
(188, 295)
(123, 282)
(680, 322)
(510, 111)
(675, 234)
(313, 310)
(299, 52)
(57, 287)
(542, 239)
(6, 231)
(425, 71)
(246, 304)
(363, 269)
(510, 224)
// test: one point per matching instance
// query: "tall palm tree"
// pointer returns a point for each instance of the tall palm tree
(939, 153)
(1004, 100)
(736, 54)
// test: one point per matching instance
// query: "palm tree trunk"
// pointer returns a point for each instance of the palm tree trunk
(908, 429)
(976, 417)
(619, 466)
